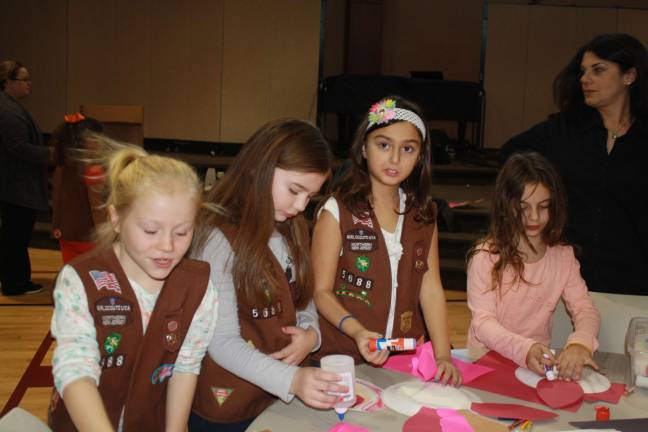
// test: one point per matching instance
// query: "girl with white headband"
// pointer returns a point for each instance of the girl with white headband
(375, 243)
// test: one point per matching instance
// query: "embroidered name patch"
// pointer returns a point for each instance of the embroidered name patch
(105, 280)
(113, 311)
(361, 240)
(161, 373)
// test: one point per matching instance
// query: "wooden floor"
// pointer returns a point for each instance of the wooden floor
(24, 322)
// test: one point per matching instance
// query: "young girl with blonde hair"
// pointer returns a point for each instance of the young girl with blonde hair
(133, 318)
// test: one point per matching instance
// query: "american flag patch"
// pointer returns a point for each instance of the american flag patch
(105, 280)
(366, 222)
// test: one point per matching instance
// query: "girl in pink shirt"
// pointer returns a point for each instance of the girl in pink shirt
(519, 272)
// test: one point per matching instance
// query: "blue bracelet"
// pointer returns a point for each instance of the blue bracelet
(344, 318)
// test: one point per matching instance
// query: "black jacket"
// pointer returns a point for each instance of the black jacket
(23, 157)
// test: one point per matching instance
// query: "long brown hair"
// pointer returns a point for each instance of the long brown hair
(244, 199)
(506, 226)
(355, 187)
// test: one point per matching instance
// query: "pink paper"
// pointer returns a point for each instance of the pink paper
(456, 423)
(423, 365)
(425, 420)
(512, 411)
(346, 427)
(437, 420)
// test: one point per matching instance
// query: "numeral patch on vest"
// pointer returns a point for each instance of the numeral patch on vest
(356, 281)
(266, 312)
(361, 240)
(112, 361)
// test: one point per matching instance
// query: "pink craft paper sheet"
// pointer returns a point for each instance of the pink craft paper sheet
(347, 427)
(423, 365)
(437, 420)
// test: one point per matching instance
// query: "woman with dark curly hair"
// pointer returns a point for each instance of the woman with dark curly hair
(598, 144)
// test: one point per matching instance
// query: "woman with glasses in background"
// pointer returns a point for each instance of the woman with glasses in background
(23, 179)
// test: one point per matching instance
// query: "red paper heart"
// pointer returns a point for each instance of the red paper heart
(425, 420)
(512, 411)
(559, 393)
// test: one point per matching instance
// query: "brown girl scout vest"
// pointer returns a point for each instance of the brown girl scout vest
(363, 280)
(222, 397)
(135, 367)
(72, 213)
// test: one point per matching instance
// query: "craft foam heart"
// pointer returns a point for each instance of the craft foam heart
(591, 381)
(559, 393)
(409, 397)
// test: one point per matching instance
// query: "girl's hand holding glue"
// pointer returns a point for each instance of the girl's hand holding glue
(540, 359)
(398, 344)
(550, 370)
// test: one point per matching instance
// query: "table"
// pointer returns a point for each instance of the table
(282, 417)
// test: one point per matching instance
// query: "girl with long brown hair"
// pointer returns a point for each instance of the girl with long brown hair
(375, 250)
(522, 268)
(257, 244)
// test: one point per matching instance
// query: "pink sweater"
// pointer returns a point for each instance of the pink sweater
(523, 315)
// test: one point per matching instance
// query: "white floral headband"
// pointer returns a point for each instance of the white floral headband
(385, 110)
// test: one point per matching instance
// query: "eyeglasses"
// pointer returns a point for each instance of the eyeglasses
(23, 79)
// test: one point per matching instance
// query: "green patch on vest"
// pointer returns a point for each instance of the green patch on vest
(363, 263)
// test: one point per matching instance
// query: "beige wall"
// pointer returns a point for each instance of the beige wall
(443, 35)
(33, 33)
(208, 70)
(527, 46)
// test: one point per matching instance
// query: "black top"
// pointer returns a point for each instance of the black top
(607, 195)
(23, 157)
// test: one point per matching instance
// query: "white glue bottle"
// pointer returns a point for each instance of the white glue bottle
(343, 366)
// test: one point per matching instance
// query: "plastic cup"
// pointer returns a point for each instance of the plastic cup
(343, 366)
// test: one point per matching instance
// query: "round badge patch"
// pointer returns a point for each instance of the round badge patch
(112, 342)
(363, 263)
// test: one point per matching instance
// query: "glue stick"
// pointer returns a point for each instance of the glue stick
(399, 344)
(344, 366)
(550, 371)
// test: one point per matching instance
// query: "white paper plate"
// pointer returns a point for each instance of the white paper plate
(591, 381)
(409, 397)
